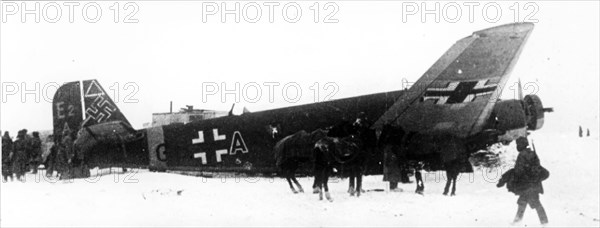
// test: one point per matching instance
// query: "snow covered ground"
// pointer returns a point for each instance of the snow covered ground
(143, 198)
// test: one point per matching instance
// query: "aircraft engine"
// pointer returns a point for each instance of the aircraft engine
(508, 115)
(535, 112)
(526, 114)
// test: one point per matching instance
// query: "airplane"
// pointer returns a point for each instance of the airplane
(455, 104)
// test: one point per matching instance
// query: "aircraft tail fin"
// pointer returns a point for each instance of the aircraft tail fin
(66, 109)
(83, 104)
(98, 106)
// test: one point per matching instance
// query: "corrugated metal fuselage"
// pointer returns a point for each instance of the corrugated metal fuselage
(245, 142)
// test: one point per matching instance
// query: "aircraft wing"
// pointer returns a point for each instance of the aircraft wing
(457, 94)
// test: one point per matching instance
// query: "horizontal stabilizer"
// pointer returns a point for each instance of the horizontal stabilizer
(457, 94)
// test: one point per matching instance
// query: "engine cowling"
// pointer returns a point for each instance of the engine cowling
(534, 110)
(508, 115)
(511, 119)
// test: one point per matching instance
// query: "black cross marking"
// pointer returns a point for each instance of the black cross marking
(460, 93)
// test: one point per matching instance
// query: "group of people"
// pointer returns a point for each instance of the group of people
(524, 180)
(581, 132)
(24, 154)
(20, 156)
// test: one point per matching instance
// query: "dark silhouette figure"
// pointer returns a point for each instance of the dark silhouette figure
(7, 155)
(588, 132)
(50, 162)
(20, 158)
(419, 180)
(35, 156)
(344, 147)
(390, 141)
(361, 128)
(65, 155)
(452, 172)
(525, 180)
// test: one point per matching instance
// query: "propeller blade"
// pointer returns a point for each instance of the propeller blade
(548, 109)
(520, 90)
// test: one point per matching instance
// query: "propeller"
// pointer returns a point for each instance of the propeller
(521, 97)
(520, 90)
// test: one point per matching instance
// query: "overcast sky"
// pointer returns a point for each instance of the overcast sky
(170, 52)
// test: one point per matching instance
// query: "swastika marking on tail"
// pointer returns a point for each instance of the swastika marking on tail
(100, 110)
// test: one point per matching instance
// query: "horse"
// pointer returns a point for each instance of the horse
(293, 150)
(330, 152)
(345, 145)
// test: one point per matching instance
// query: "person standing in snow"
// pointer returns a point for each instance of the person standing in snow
(363, 125)
(525, 180)
(64, 155)
(19, 159)
(36, 152)
(7, 154)
(419, 179)
(390, 140)
(50, 162)
(28, 151)
(588, 132)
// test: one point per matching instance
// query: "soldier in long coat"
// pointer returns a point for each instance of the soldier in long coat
(50, 162)
(525, 180)
(392, 169)
(28, 151)
(7, 148)
(20, 148)
(35, 156)
(65, 154)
